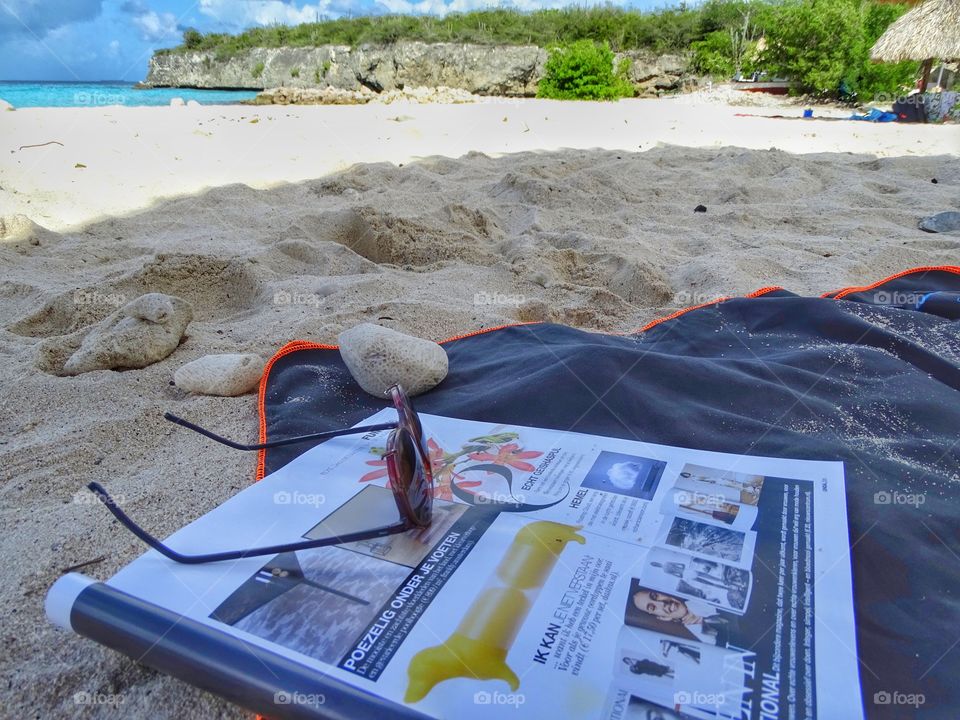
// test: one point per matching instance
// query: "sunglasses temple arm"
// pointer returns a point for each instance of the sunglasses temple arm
(276, 443)
(172, 554)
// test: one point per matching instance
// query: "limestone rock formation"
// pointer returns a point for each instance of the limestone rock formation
(497, 70)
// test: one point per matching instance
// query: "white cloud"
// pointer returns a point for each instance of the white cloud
(156, 26)
(262, 12)
(624, 475)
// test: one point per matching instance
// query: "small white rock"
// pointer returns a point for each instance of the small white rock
(226, 375)
(193, 104)
(177, 102)
(379, 358)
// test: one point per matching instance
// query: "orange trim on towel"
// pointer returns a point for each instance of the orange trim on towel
(764, 290)
(843, 292)
(262, 394)
(296, 345)
(481, 331)
(653, 323)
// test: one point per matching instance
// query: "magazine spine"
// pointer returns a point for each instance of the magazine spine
(242, 672)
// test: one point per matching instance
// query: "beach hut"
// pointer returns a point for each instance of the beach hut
(929, 31)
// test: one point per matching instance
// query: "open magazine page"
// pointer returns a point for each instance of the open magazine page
(576, 575)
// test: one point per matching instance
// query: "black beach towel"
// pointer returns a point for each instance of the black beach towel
(869, 376)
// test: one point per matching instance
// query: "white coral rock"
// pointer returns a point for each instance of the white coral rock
(226, 375)
(140, 333)
(379, 358)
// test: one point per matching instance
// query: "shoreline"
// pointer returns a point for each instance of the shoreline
(148, 154)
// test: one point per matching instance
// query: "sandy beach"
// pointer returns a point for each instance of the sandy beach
(132, 157)
(281, 223)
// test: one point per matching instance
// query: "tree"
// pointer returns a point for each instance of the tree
(820, 44)
(192, 39)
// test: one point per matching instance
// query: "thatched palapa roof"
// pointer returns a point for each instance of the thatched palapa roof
(930, 30)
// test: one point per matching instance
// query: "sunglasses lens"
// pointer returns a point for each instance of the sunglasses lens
(415, 482)
(410, 420)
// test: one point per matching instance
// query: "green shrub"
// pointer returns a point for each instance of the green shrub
(583, 70)
(257, 70)
(714, 55)
(730, 32)
(294, 72)
(192, 39)
(823, 45)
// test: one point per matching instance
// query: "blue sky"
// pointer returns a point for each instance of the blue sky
(113, 39)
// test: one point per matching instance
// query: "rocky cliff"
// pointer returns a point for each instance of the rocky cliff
(484, 70)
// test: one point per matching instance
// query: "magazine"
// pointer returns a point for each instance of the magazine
(563, 575)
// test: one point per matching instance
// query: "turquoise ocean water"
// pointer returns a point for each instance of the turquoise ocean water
(101, 94)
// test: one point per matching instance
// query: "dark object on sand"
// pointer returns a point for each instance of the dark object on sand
(933, 180)
(941, 222)
(700, 208)
(910, 109)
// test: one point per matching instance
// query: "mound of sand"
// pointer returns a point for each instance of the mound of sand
(603, 240)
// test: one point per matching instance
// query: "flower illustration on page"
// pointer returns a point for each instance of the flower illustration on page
(509, 455)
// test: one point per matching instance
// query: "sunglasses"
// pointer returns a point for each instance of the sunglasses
(408, 467)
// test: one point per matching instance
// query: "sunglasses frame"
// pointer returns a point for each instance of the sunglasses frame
(408, 429)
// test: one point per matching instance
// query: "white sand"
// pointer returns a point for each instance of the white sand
(603, 239)
(134, 156)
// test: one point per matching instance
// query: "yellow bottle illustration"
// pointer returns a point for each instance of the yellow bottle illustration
(478, 647)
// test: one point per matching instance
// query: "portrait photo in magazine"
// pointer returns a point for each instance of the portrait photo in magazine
(658, 611)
